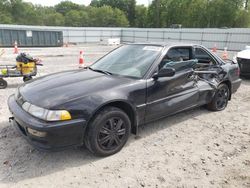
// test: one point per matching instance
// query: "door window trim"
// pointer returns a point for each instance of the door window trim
(208, 52)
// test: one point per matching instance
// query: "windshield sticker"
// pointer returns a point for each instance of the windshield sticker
(152, 48)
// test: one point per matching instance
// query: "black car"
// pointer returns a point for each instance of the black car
(100, 105)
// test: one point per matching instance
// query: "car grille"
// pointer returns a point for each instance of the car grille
(244, 64)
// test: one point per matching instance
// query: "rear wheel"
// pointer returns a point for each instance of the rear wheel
(220, 99)
(3, 83)
(108, 132)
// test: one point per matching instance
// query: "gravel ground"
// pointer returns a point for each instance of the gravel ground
(197, 148)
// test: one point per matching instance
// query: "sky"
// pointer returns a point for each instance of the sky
(85, 2)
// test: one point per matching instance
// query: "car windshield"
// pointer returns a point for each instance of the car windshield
(128, 60)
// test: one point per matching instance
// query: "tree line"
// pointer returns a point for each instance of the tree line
(125, 13)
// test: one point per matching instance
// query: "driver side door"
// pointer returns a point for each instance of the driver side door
(168, 95)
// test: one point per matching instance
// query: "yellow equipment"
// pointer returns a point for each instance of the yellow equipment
(4, 71)
(26, 68)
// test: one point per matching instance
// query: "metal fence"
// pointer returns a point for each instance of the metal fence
(234, 39)
(74, 34)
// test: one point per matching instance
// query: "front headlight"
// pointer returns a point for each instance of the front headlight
(37, 112)
(58, 115)
(44, 114)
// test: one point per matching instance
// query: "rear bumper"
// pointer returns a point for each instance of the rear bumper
(55, 135)
(235, 85)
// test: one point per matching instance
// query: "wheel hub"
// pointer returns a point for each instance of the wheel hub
(111, 134)
(222, 98)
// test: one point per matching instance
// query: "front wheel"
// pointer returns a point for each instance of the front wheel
(3, 83)
(220, 99)
(108, 132)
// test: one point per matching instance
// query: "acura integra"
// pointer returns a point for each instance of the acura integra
(135, 84)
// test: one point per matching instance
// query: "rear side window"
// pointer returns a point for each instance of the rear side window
(203, 57)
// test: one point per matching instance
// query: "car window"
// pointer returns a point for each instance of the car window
(179, 54)
(129, 60)
(178, 58)
(202, 56)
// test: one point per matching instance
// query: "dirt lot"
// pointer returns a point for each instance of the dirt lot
(197, 148)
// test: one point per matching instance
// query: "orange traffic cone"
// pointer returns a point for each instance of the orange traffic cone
(81, 60)
(15, 47)
(214, 48)
(225, 54)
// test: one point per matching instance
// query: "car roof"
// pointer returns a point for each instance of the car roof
(165, 44)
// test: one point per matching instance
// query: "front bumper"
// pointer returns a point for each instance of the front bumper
(57, 135)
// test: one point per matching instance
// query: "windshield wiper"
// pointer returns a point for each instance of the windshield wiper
(101, 71)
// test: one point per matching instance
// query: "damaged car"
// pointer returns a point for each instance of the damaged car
(135, 84)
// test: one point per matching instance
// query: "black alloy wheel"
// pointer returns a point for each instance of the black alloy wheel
(112, 133)
(220, 99)
(108, 132)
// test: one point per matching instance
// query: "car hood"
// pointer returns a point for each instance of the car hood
(59, 88)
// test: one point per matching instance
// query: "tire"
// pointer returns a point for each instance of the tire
(27, 78)
(220, 99)
(103, 137)
(3, 83)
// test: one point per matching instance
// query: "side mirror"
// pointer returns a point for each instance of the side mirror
(165, 72)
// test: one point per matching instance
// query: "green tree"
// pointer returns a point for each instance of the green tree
(154, 13)
(130, 11)
(242, 19)
(54, 19)
(120, 19)
(5, 15)
(84, 19)
(127, 6)
(48, 16)
(73, 18)
(66, 6)
(123, 13)
(107, 16)
(140, 16)
(24, 13)
(221, 13)
(198, 13)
